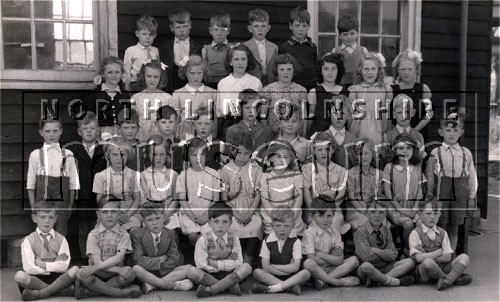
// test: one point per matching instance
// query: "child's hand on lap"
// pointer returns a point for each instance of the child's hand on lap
(87, 271)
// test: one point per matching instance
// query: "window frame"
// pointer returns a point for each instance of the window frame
(105, 44)
(410, 31)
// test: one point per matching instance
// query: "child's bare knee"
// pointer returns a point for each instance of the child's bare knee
(137, 269)
(257, 272)
(428, 263)
(304, 274)
(352, 261)
(309, 264)
(73, 271)
(463, 259)
(407, 263)
(21, 277)
(408, 226)
(194, 273)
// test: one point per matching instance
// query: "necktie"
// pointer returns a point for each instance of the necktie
(157, 244)
(219, 46)
(380, 239)
(197, 92)
(45, 240)
(221, 244)
(148, 52)
(262, 54)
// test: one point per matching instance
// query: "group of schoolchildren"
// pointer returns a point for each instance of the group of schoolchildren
(291, 186)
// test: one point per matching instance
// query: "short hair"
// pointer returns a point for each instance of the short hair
(323, 203)
(402, 101)
(89, 118)
(179, 15)
(247, 95)
(286, 58)
(150, 208)
(301, 15)
(220, 19)
(435, 203)
(258, 15)
(128, 116)
(218, 209)
(194, 60)
(251, 61)
(105, 199)
(377, 201)
(334, 58)
(243, 139)
(120, 143)
(281, 214)
(410, 55)
(406, 138)
(371, 56)
(347, 23)
(204, 111)
(47, 120)
(110, 60)
(165, 112)
(452, 120)
(44, 206)
(146, 22)
(356, 149)
(154, 64)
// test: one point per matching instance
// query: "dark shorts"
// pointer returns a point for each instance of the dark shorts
(387, 268)
(454, 196)
(445, 267)
(220, 275)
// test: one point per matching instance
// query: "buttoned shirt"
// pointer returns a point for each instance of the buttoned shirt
(135, 57)
(296, 249)
(414, 240)
(181, 51)
(338, 135)
(349, 48)
(317, 239)
(365, 238)
(201, 254)
(453, 157)
(107, 242)
(28, 257)
(110, 91)
(53, 160)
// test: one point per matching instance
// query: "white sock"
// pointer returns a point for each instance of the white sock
(275, 288)
(391, 281)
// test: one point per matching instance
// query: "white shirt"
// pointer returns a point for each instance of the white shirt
(181, 51)
(229, 88)
(201, 255)
(296, 249)
(135, 57)
(415, 241)
(28, 257)
(349, 48)
(403, 130)
(338, 135)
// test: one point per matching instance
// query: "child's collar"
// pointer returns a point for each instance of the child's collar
(426, 228)
(52, 232)
(217, 237)
(101, 228)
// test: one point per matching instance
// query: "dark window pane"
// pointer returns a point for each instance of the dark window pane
(325, 45)
(46, 36)
(390, 49)
(16, 8)
(369, 17)
(48, 9)
(326, 13)
(16, 44)
(390, 21)
(347, 7)
(371, 43)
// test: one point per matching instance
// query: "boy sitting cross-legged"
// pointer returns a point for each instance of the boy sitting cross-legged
(45, 257)
(374, 246)
(431, 248)
(107, 245)
(218, 256)
(281, 255)
(324, 248)
(158, 261)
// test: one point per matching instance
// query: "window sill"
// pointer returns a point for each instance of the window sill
(47, 79)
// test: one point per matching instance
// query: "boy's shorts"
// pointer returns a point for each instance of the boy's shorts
(220, 275)
(387, 268)
(454, 196)
(445, 267)
(453, 211)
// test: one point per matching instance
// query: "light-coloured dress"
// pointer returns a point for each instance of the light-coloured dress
(278, 93)
(366, 122)
(243, 182)
(146, 104)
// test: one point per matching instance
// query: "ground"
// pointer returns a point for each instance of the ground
(484, 268)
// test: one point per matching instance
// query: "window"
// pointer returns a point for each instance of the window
(385, 26)
(51, 41)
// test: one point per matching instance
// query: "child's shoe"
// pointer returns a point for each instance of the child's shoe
(132, 291)
(296, 289)
(202, 291)
(369, 283)
(146, 288)
(81, 292)
(350, 281)
(318, 284)
(464, 279)
(235, 290)
(30, 295)
(183, 285)
(67, 292)
(259, 288)
(406, 280)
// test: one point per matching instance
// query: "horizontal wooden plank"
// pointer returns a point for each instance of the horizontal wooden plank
(16, 226)
(452, 56)
(452, 70)
(452, 10)
(452, 26)
(451, 41)
(13, 207)
(13, 171)
(13, 190)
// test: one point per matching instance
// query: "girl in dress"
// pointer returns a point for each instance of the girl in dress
(321, 97)
(402, 180)
(324, 177)
(282, 184)
(153, 77)
(368, 97)
(158, 181)
(241, 180)
(407, 69)
(363, 181)
(283, 92)
(197, 188)
(193, 96)
(239, 61)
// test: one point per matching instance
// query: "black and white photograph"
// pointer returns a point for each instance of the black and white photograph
(306, 150)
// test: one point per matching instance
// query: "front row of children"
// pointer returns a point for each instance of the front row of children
(158, 264)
